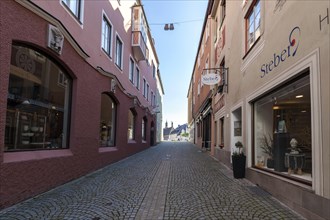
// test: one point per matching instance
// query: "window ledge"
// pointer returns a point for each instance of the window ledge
(144, 142)
(131, 142)
(107, 149)
(251, 55)
(302, 185)
(11, 157)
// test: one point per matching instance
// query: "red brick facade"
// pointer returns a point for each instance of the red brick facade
(28, 173)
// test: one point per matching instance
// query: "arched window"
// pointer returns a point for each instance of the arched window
(144, 129)
(38, 103)
(108, 121)
(131, 124)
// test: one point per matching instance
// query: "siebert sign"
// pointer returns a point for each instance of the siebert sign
(210, 79)
(287, 52)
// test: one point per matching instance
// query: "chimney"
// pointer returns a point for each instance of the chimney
(166, 124)
(172, 124)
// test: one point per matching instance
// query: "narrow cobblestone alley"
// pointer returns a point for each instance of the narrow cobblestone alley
(169, 181)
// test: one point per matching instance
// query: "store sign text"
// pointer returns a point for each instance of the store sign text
(210, 79)
(287, 52)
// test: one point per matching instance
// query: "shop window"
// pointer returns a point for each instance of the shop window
(108, 121)
(106, 36)
(144, 129)
(282, 128)
(253, 21)
(131, 124)
(75, 7)
(37, 108)
(222, 135)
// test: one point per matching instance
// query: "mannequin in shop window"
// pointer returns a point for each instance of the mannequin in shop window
(282, 126)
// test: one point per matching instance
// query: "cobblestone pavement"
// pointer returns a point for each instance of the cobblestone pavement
(169, 181)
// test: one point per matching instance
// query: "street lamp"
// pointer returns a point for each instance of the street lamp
(169, 27)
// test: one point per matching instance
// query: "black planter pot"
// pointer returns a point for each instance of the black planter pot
(270, 163)
(239, 166)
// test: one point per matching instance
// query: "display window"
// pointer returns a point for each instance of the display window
(108, 121)
(144, 128)
(131, 124)
(282, 130)
(38, 102)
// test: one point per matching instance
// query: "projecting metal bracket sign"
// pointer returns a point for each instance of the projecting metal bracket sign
(211, 79)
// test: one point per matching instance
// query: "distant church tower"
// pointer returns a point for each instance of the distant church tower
(166, 124)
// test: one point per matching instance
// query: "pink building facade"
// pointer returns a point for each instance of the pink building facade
(78, 86)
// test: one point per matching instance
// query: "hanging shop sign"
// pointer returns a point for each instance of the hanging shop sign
(210, 79)
(289, 51)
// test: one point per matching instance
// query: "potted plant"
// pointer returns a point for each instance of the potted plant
(239, 159)
(267, 148)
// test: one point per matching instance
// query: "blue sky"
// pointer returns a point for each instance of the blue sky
(176, 50)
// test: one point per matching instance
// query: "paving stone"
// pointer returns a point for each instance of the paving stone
(170, 181)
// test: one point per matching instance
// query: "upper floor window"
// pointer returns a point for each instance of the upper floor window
(223, 11)
(75, 6)
(131, 70)
(38, 110)
(144, 88)
(199, 87)
(106, 35)
(152, 98)
(253, 21)
(199, 60)
(119, 53)
(137, 78)
(153, 71)
(207, 30)
(147, 92)
(155, 101)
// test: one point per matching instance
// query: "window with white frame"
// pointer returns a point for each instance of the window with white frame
(207, 30)
(155, 101)
(252, 21)
(147, 93)
(153, 71)
(137, 79)
(144, 88)
(131, 70)
(202, 45)
(152, 98)
(199, 60)
(119, 53)
(199, 87)
(76, 7)
(222, 12)
(106, 35)
(61, 80)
